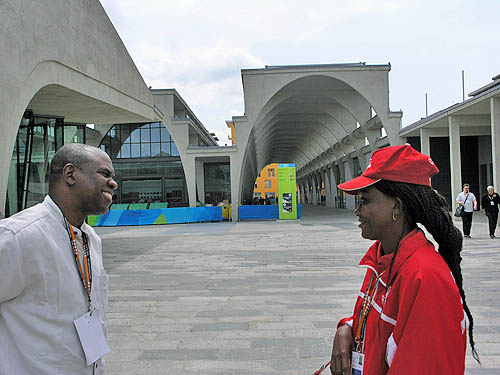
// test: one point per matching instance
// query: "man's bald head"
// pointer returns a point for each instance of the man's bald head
(81, 181)
(77, 154)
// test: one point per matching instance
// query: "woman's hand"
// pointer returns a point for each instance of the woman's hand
(343, 345)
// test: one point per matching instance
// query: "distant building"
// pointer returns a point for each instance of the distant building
(59, 86)
(463, 140)
(266, 184)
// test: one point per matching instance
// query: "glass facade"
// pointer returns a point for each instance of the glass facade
(147, 164)
(37, 140)
(131, 141)
(217, 182)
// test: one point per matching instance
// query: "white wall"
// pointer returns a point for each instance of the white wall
(67, 45)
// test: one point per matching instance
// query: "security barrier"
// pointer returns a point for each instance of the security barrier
(157, 216)
(263, 212)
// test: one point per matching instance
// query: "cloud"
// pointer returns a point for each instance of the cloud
(199, 47)
(209, 80)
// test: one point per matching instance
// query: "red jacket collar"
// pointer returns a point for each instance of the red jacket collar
(379, 263)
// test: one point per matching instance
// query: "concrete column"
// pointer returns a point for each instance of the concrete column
(307, 198)
(320, 186)
(342, 170)
(324, 183)
(12, 112)
(455, 164)
(190, 174)
(200, 180)
(309, 190)
(328, 188)
(350, 164)
(495, 141)
(235, 168)
(349, 200)
(315, 191)
(333, 185)
(425, 145)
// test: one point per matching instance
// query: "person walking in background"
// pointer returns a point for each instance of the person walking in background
(52, 279)
(490, 202)
(469, 201)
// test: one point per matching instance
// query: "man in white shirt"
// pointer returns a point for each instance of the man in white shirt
(47, 281)
(468, 200)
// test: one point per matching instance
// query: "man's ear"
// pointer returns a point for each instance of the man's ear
(68, 174)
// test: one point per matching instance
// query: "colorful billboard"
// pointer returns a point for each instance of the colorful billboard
(287, 191)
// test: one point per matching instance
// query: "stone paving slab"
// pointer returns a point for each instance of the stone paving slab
(257, 297)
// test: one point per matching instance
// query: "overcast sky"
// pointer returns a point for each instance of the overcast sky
(199, 47)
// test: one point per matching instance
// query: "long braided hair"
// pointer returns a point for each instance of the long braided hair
(422, 204)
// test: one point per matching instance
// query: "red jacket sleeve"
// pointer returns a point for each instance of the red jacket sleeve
(345, 321)
(353, 319)
(429, 336)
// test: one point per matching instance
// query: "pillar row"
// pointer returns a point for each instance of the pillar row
(455, 164)
(495, 141)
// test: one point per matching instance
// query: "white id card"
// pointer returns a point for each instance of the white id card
(492, 203)
(91, 336)
(357, 360)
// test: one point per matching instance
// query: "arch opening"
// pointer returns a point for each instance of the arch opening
(303, 121)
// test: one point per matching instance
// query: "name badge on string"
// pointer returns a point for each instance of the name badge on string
(357, 361)
(492, 203)
(91, 336)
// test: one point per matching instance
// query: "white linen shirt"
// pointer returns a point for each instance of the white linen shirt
(41, 294)
(469, 203)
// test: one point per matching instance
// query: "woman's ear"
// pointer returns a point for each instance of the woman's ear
(398, 206)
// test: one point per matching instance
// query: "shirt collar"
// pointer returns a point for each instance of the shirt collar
(381, 263)
(57, 212)
(54, 209)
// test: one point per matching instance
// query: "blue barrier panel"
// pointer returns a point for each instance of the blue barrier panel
(263, 212)
(111, 218)
(258, 212)
(160, 216)
(192, 214)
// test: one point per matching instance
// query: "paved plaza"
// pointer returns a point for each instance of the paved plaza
(258, 297)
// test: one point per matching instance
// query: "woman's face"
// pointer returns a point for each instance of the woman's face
(375, 214)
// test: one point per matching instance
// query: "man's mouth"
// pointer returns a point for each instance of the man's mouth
(108, 195)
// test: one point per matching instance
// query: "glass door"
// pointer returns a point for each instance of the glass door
(37, 140)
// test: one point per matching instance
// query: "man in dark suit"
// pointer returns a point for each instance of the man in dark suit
(490, 202)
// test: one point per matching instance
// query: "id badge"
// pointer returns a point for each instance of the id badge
(492, 203)
(91, 336)
(357, 361)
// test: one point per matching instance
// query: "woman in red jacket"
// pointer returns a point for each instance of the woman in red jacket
(409, 316)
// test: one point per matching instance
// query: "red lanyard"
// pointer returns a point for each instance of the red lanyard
(86, 271)
(365, 310)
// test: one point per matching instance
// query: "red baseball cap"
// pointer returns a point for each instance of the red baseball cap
(396, 163)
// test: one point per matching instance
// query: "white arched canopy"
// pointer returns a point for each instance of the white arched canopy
(311, 121)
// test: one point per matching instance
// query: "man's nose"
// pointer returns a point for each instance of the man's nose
(113, 183)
